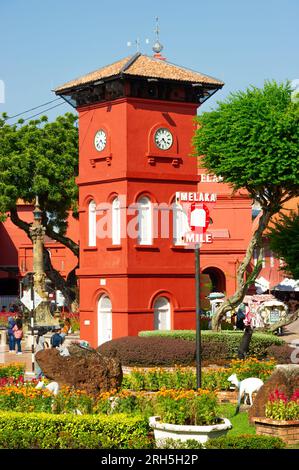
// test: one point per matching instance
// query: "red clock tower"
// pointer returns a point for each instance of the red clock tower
(136, 122)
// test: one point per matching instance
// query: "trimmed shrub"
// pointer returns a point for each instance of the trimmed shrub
(46, 431)
(245, 441)
(136, 351)
(259, 344)
(167, 348)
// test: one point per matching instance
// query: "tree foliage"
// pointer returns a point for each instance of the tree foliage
(40, 158)
(284, 241)
(251, 140)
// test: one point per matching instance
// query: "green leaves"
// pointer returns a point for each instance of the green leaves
(40, 158)
(284, 241)
(252, 138)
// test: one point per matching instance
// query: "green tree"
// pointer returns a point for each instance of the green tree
(284, 241)
(41, 158)
(251, 140)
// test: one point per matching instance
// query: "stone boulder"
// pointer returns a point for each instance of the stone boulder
(84, 369)
(285, 378)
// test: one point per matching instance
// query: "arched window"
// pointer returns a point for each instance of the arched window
(180, 224)
(104, 319)
(116, 221)
(145, 236)
(162, 314)
(92, 223)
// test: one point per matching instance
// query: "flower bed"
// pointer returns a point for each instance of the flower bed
(12, 371)
(12, 374)
(25, 397)
(187, 415)
(185, 378)
(281, 417)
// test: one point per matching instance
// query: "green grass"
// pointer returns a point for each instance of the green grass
(240, 421)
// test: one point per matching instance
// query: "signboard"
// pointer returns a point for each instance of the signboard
(28, 302)
(274, 316)
(197, 208)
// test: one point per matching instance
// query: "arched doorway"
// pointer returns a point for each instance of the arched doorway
(104, 319)
(217, 277)
(162, 314)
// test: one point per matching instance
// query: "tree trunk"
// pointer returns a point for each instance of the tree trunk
(245, 342)
(242, 282)
(67, 287)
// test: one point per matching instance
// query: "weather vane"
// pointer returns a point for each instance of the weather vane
(137, 43)
(157, 47)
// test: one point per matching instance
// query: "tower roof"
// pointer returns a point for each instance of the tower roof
(140, 65)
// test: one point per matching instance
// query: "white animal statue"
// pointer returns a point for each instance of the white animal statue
(52, 387)
(246, 388)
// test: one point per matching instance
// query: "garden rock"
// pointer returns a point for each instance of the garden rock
(285, 378)
(84, 369)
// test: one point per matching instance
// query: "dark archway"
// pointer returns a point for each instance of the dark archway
(217, 278)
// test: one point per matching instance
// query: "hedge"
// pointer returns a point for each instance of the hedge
(136, 351)
(47, 431)
(259, 344)
(246, 441)
(243, 441)
(161, 348)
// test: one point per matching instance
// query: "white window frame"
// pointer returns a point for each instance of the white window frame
(92, 223)
(116, 238)
(180, 224)
(162, 314)
(145, 221)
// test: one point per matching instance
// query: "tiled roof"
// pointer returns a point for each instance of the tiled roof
(143, 66)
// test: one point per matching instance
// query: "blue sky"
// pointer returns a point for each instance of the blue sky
(46, 43)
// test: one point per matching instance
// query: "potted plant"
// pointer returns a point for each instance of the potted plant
(281, 417)
(187, 415)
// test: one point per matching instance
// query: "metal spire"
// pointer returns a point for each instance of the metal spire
(157, 47)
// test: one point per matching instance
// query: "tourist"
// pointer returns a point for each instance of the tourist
(240, 317)
(66, 329)
(18, 334)
(40, 346)
(11, 337)
(56, 338)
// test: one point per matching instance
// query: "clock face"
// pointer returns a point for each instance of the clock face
(100, 140)
(163, 138)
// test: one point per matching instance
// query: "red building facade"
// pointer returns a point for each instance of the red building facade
(136, 122)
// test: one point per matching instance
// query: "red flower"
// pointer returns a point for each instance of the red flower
(277, 395)
(295, 396)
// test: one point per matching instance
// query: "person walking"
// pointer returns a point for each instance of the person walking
(18, 334)
(11, 337)
(40, 346)
(56, 338)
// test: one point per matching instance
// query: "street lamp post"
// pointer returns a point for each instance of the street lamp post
(198, 326)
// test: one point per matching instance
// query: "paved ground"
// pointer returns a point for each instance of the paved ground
(291, 333)
(25, 358)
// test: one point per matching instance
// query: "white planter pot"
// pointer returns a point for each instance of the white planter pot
(201, 434)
